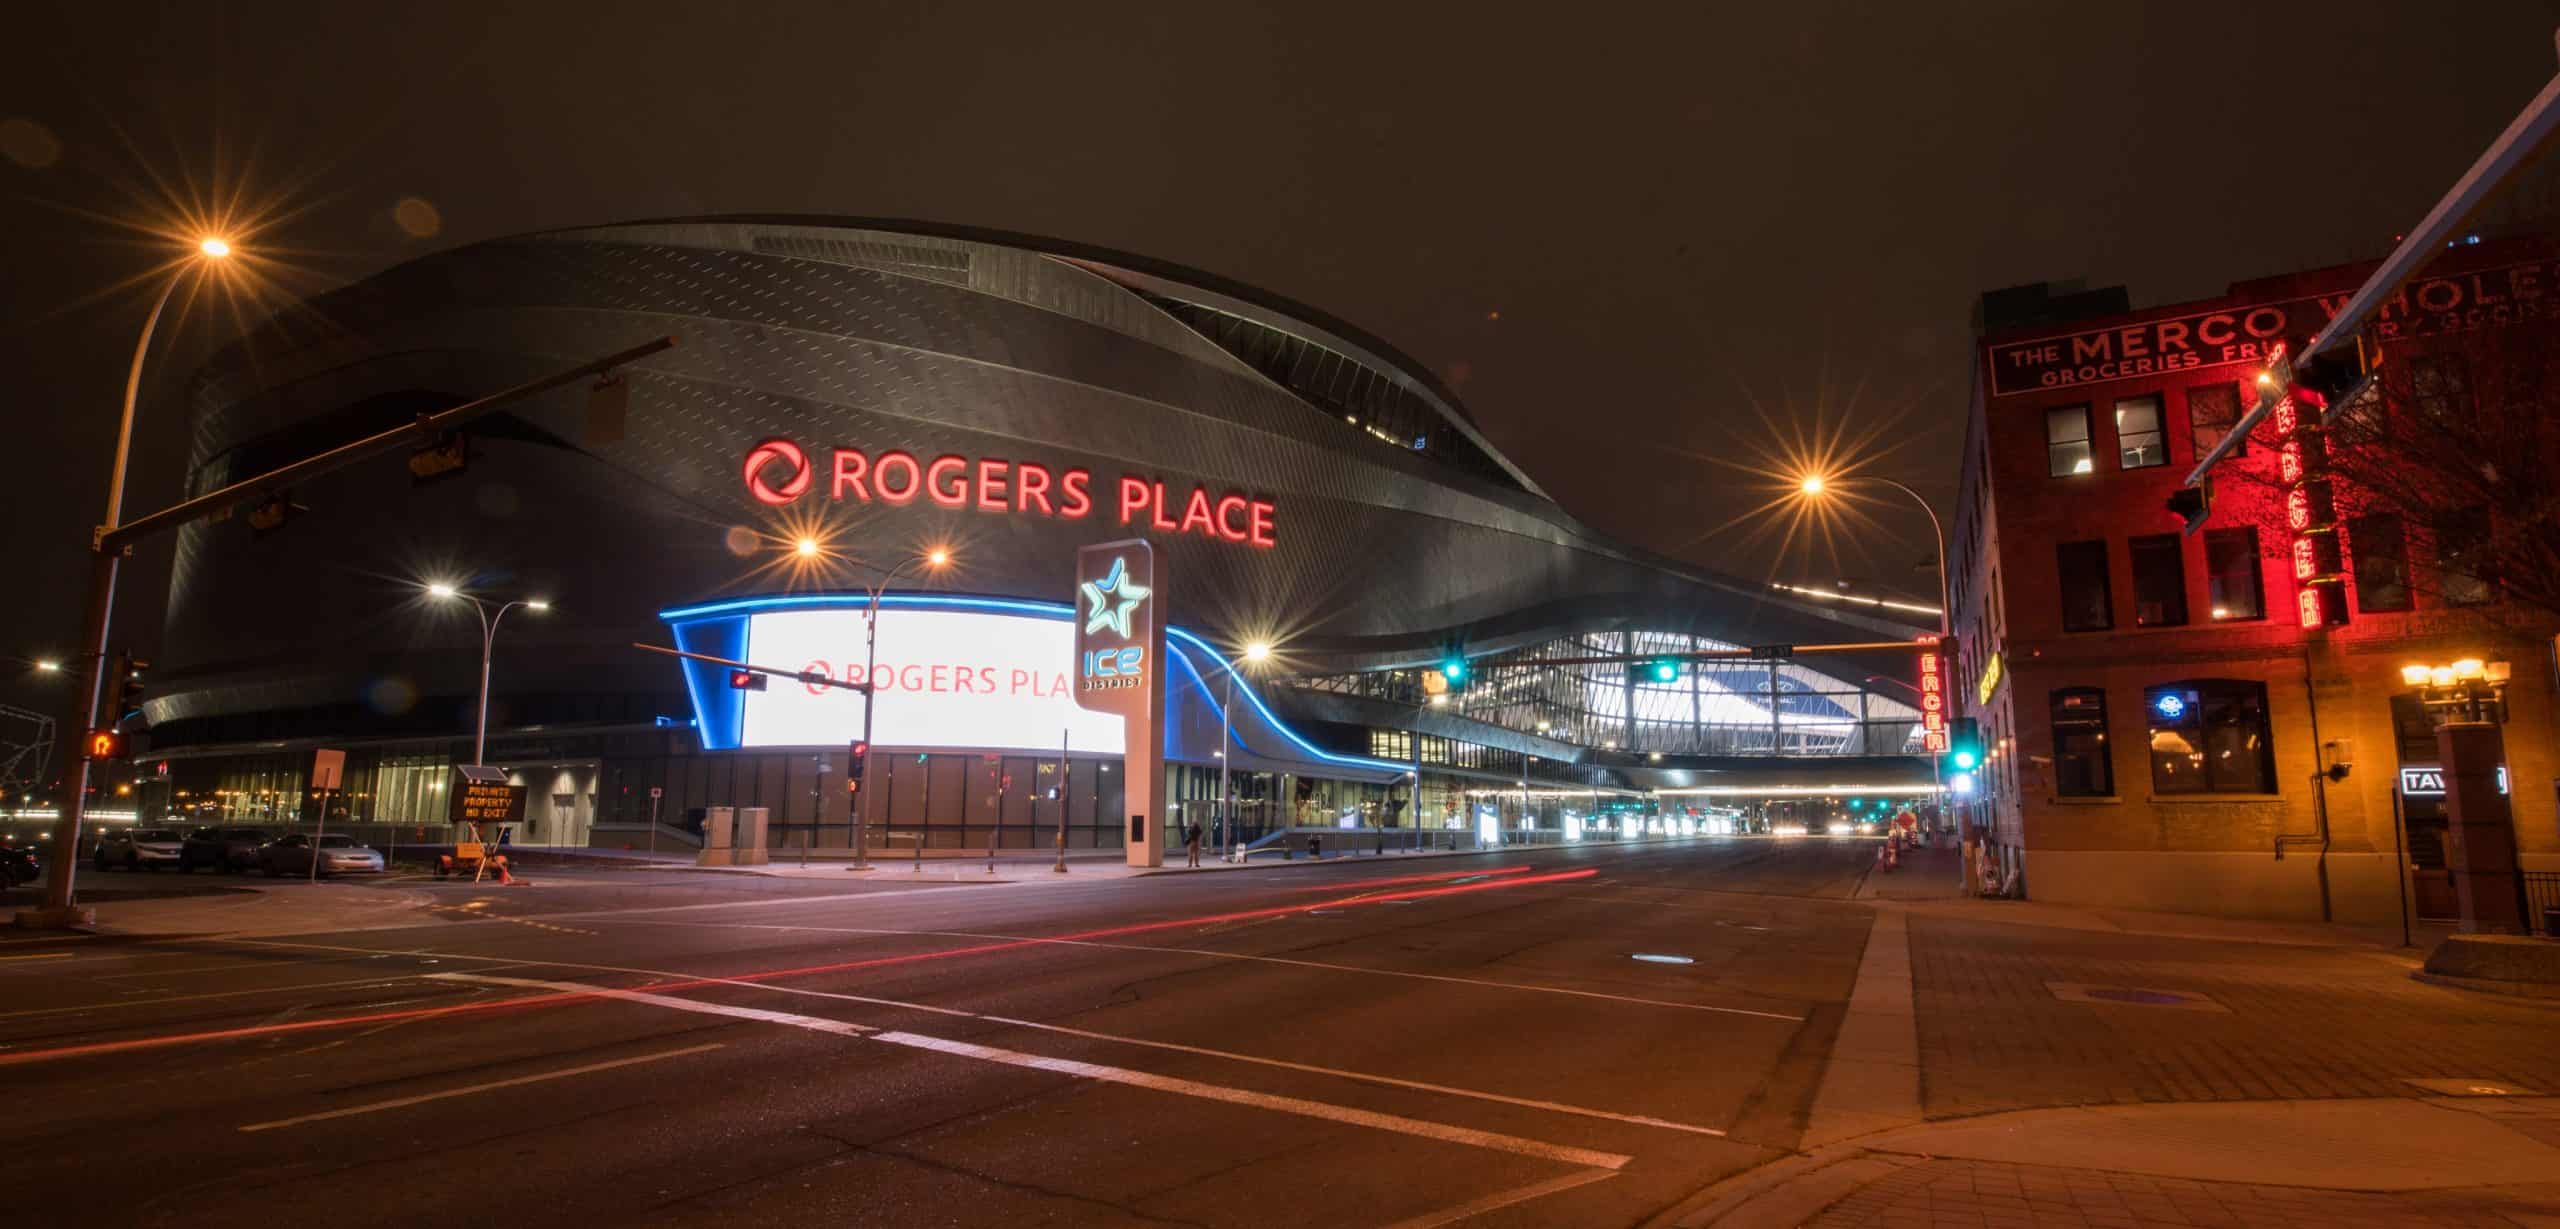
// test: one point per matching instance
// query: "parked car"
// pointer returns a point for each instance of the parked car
(139, 849)
(339, 855)
(18, 864)
(223, 849)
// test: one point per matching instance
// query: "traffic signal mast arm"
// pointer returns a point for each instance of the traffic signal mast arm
(814, 678)
(2515, 146)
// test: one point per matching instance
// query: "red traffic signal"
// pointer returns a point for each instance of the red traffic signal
(745, 680)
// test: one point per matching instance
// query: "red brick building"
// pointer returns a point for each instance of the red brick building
(2162, 731)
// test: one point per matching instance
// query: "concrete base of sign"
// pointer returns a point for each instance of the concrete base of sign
(57, 919)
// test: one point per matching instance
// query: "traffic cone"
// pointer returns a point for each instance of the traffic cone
(504, 879)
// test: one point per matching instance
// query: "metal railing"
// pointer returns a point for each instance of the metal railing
(2541, 902)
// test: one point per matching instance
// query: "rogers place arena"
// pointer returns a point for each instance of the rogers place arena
(851, 396)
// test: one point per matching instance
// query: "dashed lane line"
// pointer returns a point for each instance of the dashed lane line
(1300, 1106)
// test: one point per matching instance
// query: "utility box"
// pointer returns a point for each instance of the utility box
(749, 849)
(719, 834)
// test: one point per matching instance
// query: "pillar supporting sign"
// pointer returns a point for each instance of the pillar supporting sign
(1119, 669)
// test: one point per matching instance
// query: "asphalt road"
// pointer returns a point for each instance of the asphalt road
(1371, 1042)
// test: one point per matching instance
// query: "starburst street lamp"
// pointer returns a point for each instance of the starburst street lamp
(935, 559)
(57, 910)
(444, 590)
(1817, 486)
(1255, 654)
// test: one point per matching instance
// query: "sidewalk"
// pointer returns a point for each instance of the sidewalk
(2004, 1063)
(254, 909)
(1023, 866)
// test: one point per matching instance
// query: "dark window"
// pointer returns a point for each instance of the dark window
(2159, 581)
(2140, 440)
(2087, 604)
(2080, 765)
(2209, 736)
(2439, 389)
(2381, 550)
(2464, 573)
(2066, 440)
(2212, 410)
(2234, 587)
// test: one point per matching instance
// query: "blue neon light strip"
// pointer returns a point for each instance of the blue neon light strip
(1050, 610)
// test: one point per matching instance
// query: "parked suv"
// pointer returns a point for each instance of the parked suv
(139, 849)
(223, 849)
(339, 855)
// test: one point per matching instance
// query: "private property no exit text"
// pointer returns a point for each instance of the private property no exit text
(778, 471)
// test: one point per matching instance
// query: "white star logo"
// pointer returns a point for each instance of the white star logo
(1111, 600)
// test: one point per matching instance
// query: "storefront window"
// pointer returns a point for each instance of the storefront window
(2080, 765)
(2209, 736)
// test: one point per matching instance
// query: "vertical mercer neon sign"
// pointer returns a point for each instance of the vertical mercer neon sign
(1933, 703)
(779, 471)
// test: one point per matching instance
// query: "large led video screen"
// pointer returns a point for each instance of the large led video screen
(972, 680)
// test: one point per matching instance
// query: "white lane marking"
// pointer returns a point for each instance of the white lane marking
(1218, 955)
(1389, 1081)
(819, 1024)
(40, 956)
(1363, 1077)
(1096, 1071)
(1503, 1199)
(493, 1085)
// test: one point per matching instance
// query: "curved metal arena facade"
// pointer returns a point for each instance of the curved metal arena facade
(884, 387)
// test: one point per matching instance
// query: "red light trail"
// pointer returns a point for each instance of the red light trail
(1511, 878)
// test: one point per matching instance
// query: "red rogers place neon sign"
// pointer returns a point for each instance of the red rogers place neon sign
(778, 471)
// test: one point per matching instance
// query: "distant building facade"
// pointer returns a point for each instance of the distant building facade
(2162, 731)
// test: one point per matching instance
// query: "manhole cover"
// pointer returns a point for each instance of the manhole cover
(2133, 996)
(2472, 1088)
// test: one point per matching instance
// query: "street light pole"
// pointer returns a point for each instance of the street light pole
(488, 649)
(871, 695)
(96, 620)
(1255, 652)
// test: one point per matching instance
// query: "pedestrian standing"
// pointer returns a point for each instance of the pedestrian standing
(1191, 841)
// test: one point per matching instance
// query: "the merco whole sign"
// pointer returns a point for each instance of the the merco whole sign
(779, 472)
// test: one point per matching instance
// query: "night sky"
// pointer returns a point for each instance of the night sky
(1634, 239)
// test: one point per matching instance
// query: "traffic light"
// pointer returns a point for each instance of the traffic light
(745, 680)
(1453, 671)
(856, 758)
(1964, 745)
(126, 689)
(2191, 504)
(1657, 670)
(449, 454)
(269, 514)
(105, 744)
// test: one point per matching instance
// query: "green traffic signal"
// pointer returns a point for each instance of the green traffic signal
(1964, 744)
(1454, 669)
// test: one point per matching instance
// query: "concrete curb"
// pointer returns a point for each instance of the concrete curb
(2483, 985)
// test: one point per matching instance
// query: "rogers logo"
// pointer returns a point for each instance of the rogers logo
(764, 455)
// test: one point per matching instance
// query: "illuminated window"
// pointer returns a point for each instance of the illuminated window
(2380, 546)
(2234, 586)
(2210, 736)
(2212, 410)
(2066, 440)
(2087, 603)
(2080, 765)
(2159, 581)
(2140, 441)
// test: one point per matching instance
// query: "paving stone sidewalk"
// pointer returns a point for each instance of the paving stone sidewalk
(1947, 1194)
